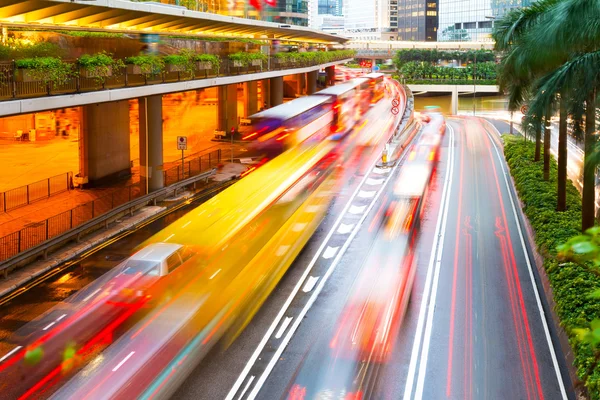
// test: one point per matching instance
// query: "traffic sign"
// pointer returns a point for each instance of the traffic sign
(524, 109)
(395, 102)
(181, 142)
(395, 110)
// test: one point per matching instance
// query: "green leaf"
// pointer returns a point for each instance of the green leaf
(584, 248)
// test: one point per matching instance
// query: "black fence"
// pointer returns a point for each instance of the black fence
(38, 232)
(15, 84)
(33, 192)
(192, 167)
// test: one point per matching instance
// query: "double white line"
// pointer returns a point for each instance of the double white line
(423, 333)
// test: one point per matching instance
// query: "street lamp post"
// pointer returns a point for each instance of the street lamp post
(474, 82)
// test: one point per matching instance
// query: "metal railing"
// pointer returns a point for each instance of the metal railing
(191, 167)
(24, 195)
(13, 84)
(38, 232)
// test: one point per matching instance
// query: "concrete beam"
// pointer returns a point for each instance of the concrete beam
(151, 142)
(451, 88)
(24, 106)
(276, 92)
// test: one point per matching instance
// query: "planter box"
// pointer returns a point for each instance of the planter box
(238, 63)
(26, 75)
(256, 63)
(175, 68)
(97, 73)
(202, 65)
(136, 70)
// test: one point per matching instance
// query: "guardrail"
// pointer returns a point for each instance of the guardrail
(21, 196)
(41, 248)
(13, 84)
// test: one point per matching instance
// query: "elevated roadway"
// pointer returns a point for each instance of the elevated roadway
(146, 18)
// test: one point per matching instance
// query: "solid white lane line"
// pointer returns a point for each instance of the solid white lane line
(535, 289)
(92, 294)
(345, 228)
(311, 300)
(49, 325)
(123, 361)
(296, 289)
(186, 224)
(10, 353)
(246, 387)
(310, 284)
(330, 252)
(61, 317)
(169, 237)
(283, 327)
(215, 274)
(428, 305)
(357, 210)
(427, 288)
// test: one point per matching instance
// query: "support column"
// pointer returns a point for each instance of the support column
(301, 78)
(454, 101)
(228, 117)
(104, 142)
(250, 98)
(151, 142)
(330, 71)
(266, 93)
(276, 85)
(311, 82)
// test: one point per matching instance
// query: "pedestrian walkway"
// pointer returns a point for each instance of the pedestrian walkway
(19, 218)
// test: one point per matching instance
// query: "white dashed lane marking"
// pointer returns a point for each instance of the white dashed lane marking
(310, 284)
(364, 194)
(345, 229)
(373, 182)
(357, 210)
(330, 252)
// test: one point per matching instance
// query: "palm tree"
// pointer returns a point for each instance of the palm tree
(571, 29)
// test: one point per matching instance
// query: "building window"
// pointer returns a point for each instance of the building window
(431, 13)
(485, 24)
(457, 25)
(469, 25)
(431, 5)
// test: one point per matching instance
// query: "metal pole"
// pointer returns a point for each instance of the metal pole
(182, 167)
(474, 83)
(147, 144)
(232, 147)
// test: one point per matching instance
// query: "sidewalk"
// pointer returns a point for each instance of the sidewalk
(17, 219)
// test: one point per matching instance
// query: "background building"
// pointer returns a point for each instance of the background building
(417, 20)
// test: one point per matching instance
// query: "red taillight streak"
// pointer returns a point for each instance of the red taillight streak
(516, 275)
(454, 277)
(514, 309)
(378, 215)
(280, 138)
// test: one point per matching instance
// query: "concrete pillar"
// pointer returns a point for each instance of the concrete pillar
(227, 108)
(104, 142)
(151, 141)
(301, 84)
(266, 94)
(330, 71)
(454, 101)
(311, 82)
(276, 85)
(250, 98)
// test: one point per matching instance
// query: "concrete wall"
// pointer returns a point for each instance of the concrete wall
(105, 138)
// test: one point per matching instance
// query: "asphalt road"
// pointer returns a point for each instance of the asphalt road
(473, 328)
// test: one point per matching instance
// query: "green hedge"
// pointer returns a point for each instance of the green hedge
(449, 81)
(571, 283)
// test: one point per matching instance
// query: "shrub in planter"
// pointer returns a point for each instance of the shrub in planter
(239, 59)
(207, 61)
(256, 59)
(99, 66)
(182, 62)
(49, 70)
(145, 64)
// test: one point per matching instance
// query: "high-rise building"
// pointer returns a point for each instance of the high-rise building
(501, 7)
(417, 20)
(293, 12)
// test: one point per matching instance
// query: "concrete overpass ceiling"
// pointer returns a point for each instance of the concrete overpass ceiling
(143, 17)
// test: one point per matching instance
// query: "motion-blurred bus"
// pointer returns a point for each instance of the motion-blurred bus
(376, 85)
(289, 124)
(348, 106)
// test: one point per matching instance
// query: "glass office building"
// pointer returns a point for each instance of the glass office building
(417, 20)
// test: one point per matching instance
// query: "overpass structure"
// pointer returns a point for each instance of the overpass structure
(383, 47)
(454, 90)
(146, 18)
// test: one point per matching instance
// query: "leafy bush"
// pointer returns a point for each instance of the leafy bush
(183, 60)
(149, 64)
(100, 65)
(433, 56)
(16, 49)
(245, 58)
(571, 282)
(218, 39)
(49, 70)
(424, 71)
(94, 34)
(209, 58)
